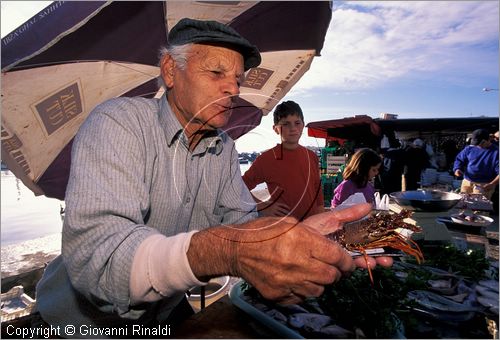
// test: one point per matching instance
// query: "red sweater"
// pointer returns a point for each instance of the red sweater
(294, 171)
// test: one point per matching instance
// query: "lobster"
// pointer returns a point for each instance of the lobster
(378, 231)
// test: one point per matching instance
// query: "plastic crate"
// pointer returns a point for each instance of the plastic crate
(15, 304)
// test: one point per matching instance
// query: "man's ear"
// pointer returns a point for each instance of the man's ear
(277, 129)
(167, 66)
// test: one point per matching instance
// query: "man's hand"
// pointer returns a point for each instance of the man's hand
(328, 222)
(491, 185)
(488, 186)
(286, 261)
(458, 173)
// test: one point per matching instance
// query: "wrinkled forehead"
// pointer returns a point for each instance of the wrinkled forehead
(217, 55)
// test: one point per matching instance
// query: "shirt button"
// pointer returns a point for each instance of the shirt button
(188, 199)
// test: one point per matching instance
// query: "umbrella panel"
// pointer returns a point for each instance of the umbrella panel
(82, 53)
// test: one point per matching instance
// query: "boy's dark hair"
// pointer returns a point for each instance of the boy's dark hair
(286, 109)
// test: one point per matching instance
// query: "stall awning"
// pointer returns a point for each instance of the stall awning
(359, 127)
(346, 128)
(443, 125)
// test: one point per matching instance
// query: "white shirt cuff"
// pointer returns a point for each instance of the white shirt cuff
(161, 268)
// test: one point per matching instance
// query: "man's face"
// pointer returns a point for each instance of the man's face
(290, 128)
(202, 94)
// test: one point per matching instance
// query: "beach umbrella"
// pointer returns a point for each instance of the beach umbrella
(73, 55)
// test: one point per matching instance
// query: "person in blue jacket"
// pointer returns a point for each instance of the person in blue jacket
(478, 164)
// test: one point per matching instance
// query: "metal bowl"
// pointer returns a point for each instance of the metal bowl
(427, 200)
(214, 287)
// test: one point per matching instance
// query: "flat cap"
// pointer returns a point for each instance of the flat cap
(188, 31)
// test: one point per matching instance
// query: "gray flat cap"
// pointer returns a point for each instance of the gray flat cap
(188, 31)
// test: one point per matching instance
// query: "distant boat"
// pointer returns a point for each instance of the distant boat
(243, 160)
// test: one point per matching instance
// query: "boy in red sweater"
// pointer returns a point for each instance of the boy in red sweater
(290, 170)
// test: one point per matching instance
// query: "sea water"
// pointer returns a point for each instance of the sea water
(24, 215)
(30, 226)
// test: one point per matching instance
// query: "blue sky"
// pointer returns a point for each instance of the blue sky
(415, 59)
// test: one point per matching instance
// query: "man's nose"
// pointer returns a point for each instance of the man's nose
(231, 87)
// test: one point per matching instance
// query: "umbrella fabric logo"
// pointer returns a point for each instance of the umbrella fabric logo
(257, 77)
(12, 144)
(60, 108)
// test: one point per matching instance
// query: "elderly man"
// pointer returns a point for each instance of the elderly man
(155, 203)
(478, 164)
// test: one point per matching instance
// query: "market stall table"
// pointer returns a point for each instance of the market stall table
(435, 229)
(222, 320)
(432, 231)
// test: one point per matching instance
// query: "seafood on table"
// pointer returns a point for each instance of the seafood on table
(448, 294)
(297, 317)
(462, 304)
(488, 295)
(438, 302)
(443, 285)
(453, 295)
(380, 230)
(471, 219)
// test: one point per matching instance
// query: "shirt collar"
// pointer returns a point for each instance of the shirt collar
(174, 131)
(279, 150)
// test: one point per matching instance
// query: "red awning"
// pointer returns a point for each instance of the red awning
(346, 128)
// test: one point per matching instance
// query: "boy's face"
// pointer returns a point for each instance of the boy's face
(290, 128)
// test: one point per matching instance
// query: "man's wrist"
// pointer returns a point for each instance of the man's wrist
(212, 253)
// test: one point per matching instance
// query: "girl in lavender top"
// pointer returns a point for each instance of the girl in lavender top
(358, 174)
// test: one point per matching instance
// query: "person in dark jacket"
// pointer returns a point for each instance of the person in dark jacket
(416, 160)
(392, 167)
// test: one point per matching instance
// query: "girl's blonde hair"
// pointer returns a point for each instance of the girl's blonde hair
(359, 166)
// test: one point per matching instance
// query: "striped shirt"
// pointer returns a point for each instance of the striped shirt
(132, 176)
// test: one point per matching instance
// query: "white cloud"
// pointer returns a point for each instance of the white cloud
(369, 43)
